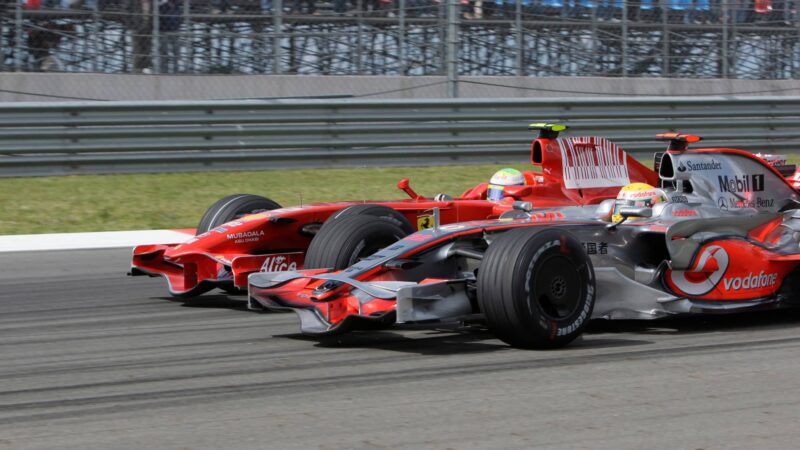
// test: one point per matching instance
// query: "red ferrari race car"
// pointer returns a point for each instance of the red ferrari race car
(243, 234)
(720, 233)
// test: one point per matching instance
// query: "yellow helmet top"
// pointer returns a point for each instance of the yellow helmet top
(637, 195)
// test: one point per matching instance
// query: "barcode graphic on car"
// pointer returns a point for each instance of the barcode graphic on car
(592, 162)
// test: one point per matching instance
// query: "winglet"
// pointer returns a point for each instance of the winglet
(548, 130)
(678, 142)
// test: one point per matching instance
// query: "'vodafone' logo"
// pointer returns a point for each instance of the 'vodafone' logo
(706, 274)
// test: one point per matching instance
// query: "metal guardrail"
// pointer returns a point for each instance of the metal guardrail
(109, 137)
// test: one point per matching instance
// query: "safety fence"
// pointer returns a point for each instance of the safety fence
(111, 137)
(667, 38)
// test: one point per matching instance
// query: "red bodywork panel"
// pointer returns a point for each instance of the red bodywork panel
(574, 171)
(723, 270)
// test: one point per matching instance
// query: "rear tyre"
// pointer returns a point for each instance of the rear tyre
(536, 288)
(231, 208)
(347, 240)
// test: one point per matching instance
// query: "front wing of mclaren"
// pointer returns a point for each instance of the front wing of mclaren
(357, 302)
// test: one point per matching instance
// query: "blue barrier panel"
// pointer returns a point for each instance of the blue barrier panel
(679, 5)
(702, 5)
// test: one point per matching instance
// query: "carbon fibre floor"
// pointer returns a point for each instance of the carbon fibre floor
(90, 358)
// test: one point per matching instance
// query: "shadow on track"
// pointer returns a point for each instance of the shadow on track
(219, 301)
(438, 341)
(433, 342)
(475, 338)
(600, 333)
(700, 324)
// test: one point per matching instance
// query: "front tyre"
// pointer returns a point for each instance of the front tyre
(536, 287)
(368, 209)
(233, 207)
(349, 239)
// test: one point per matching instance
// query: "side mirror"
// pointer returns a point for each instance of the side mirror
(405, 186)
(523, 206)
(630, 211)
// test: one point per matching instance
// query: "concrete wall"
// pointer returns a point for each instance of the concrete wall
(77, 86)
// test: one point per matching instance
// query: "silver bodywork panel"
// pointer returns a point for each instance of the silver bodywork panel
(442, 301)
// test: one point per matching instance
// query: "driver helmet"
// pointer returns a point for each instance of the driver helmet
(637, 195)
(501, 179)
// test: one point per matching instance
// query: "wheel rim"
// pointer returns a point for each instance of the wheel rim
(556, 287)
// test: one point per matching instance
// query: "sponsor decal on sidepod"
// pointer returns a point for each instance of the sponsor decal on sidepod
(711, 266)
(709, 270)
(751, 281)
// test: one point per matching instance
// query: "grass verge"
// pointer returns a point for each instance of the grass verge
(177, 200)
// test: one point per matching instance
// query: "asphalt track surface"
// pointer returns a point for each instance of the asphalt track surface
(91, 359)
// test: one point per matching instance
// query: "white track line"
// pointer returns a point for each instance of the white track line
(77, 241)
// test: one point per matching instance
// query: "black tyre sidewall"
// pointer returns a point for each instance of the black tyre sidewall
(231, 207)
(506, 288)
(341, 244)
(367, 209)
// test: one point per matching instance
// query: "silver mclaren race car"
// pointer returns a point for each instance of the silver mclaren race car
(719, 234)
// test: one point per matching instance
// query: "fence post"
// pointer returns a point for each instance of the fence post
(595, 60)
(277, 33)
(724, 50)
(401, 37)
(2, 47)
(96, 36)
(188, 38)
(452, 48)
(18, 37)
(156, 50)
(519, 60)
(625, 38)
(665, 62)
(360, 37)
(733, 51)
(794, 52)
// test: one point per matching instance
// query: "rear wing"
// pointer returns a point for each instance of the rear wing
(593, 166)
(679, 142)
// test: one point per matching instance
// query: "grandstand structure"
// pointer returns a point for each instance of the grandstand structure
(646, 38)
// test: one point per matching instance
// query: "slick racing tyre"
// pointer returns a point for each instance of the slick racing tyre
(347, 240)
(231, 208)
(536, 288)
(372, 210)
